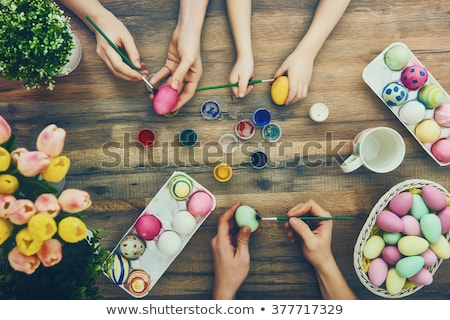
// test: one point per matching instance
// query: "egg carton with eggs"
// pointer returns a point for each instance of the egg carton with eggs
(159, 234)
(408, 89)
(404, 239)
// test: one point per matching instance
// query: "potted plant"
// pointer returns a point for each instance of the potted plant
(36, 42)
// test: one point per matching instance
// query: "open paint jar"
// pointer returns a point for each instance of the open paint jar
(258, 159)
(223, 172)
(146, 137)
(271, 132)
(188, 137)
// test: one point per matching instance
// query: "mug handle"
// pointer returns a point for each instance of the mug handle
(352, 163)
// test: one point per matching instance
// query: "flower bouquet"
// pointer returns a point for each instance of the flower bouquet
(43, 238)
(35, 41)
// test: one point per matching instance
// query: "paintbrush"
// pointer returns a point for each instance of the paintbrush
(286, 218)
(124, 57)
(228, 85)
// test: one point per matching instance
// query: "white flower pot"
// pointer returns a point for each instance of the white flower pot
(74, 57)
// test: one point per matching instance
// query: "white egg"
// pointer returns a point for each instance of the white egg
(184, 222)
(169, 242)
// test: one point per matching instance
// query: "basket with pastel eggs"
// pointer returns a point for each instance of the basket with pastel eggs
(404, 239)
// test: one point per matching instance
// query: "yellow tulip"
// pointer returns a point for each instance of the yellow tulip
(6, 229)
(8, 183)
(5, 159)
(26, 243)
(42, 226)
(72, 229)
(57, 169)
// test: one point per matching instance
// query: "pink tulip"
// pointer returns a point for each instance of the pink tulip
(5, 130)
(15, 155)
(20, 211)
(74, 200)
(50, 253)
(48, 203)
(51, 140)
(5, 204)
(21, 262)
(32, 163)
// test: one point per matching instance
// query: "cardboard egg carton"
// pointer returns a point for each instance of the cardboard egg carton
(377, 75)
(164, 207)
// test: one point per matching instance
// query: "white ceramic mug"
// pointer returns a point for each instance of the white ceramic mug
(379, 149)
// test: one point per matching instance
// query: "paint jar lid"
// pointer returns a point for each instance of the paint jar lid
(210, 109)
(188, 137)
(319, 112)
(245, 129)
(261, 117)
(272, 132)
(258, 159)
(146, 137)
(228, 143)
(223, 172)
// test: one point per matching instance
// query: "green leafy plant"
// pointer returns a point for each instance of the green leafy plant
(35, 41)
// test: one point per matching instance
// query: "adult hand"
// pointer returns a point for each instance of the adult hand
(231, 255)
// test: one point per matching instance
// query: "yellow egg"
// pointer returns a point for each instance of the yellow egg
(394, 282)
(279, 90)
(441, 248)
(374, 246)
(427, 131)
(412, 245)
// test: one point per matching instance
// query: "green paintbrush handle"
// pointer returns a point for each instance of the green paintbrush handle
(228, 85)
(285, 218)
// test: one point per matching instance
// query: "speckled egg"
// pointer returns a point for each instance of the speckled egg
(434, 198)
(279, 90)
(401, 203)
(441, 150)
(427, 131)
(132, 246)
(442, 114)
(431, 95)
(394, 94)
(412, 112)
(397, 57)
(414, 77)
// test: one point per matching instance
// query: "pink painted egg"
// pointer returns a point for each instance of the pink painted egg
(389, 221)
(442, 114)
(148, 226)
(434, 198)
(411, 226)
(441, 150)
(422, 278)
(414, 77)
(429, 256)
(391, 255)
(200, 204)
(444, 216)
(401, 203)
(165, 99)
(378, 271)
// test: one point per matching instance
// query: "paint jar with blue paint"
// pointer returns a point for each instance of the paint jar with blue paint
(258, 159)
(188, 137)
(210, 109)
(261, 117)
(272, 132)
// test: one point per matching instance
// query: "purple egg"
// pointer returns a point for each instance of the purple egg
(401, 203)
(391, 255)
(389, 221)
(378, 271)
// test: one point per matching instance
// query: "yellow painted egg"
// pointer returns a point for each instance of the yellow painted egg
(394, 282)
(374, 246)
(428, 131)
(279, 90)
(441, 248)
(412, 245)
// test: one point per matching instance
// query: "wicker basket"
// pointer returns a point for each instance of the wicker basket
(366, 232)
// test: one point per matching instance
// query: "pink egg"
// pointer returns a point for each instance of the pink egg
(411, 226)
(444, 216)
(389, 221)
(378, 271)
(441, 150)
(148, 226)
(442, 114)
(422, 278)
(414, 77)
(165, 99)
(401, 203)
(391, 254)
(200, 204)
(434, 198)
(429, 256)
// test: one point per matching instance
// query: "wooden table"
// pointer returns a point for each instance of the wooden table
(102, 115)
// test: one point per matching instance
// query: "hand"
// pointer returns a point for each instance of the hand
(120, 35)
(299, 68)
(242, 73)
(183, 68)
(231, 255)
(316, 242)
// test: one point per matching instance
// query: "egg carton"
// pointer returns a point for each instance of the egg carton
(153, 261)
(369, 228)
(377, 75)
